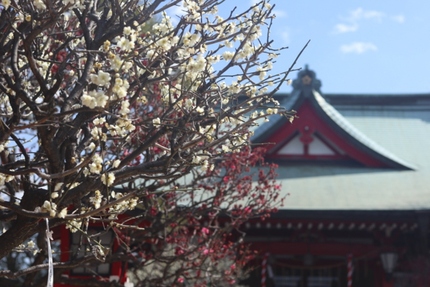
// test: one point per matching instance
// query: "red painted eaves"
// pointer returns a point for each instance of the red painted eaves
(310, 124)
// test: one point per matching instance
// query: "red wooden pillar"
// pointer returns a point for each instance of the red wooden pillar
(387, 283)
(381, 278)
(116, 272)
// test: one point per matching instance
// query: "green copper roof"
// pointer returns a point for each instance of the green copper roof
(395, 126)
(367, 141)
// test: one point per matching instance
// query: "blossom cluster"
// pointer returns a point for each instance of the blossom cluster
(112, 106)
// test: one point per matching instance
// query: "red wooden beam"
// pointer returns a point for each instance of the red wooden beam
(302, 248)
(308, 118)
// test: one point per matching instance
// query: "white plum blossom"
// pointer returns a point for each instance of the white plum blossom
(91, 147)
(101, 78)
(88, 101)
(96, 165)
(96, 199)
(5, 178)
(128, 30)
(5, 3)
(200, 110)
(271, 111)
(49, 207)
(62, 213)
(94, 99)
(124, 108)
(156, 122)
(227, 55)
(39, 5)
(116, 163)
(31, 244)
(125, 44)
(108, 179)
(74, 225)
(3, 145)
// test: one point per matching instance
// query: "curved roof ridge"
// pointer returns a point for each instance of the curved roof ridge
(355, 133)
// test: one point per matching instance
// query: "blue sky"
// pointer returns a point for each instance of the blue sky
(358, 46)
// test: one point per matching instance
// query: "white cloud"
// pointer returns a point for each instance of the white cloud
(358, 47)
(399, 19)
(360, 13)
(345, 28)
(279, 13)
(356, 16)
(285, 35)
(176, 12)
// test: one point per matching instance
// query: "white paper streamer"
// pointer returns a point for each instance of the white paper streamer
(50, 282)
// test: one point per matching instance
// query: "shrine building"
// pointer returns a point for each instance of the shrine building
(355, 173)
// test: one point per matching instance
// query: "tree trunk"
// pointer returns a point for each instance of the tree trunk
(21, 230)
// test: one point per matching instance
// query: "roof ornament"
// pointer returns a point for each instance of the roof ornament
(307, 79)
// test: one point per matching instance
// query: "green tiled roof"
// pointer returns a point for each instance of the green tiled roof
(313, 186)
(343, 123)
(396, 126)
